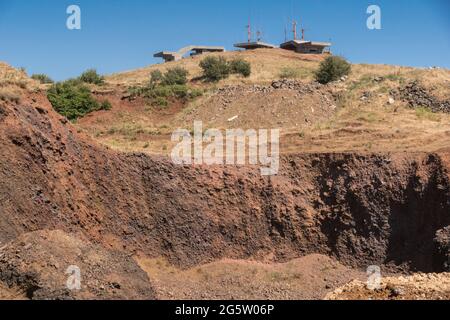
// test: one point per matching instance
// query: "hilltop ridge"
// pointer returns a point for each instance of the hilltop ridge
(375, 109)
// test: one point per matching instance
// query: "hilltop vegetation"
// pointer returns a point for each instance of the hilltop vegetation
(91, 76)
(162, 87)
(42, 78)
(366, 112)
(74, 100)
(331, 69)
(218, 68)
(266, 65)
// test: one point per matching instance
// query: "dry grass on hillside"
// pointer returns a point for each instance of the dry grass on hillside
(267, 64)
(372, 124)
(270, 64)
(13, 82)
(10, 76)
(369, 124)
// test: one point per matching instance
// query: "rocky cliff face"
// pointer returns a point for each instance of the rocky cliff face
(361, 208)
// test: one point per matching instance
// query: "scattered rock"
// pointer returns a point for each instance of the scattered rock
(366, 96)
(417, 96)
(416, 287)
(378, 79)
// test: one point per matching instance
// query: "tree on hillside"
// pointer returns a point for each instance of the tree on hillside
(331, 69)
(215, 68)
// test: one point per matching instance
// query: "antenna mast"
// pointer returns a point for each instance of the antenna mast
(294, 29)
(258, 35)
(249, 31)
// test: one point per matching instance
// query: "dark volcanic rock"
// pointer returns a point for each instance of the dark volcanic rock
(417, 96)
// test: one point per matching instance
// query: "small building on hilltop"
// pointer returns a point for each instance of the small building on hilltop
(168, 56)
(193, 50)
(306, 47)
(251, 45)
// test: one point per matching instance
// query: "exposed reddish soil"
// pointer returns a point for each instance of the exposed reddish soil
(361, 209)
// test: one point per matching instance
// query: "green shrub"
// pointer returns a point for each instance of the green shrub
(74, 100)
(91, 76)
(162, 91)
(194, 93)
(218, 68)
(136, 91)
(159, 91)
(42, 78)
(215, 68)
(105, 105)
(242, 67)
(161, 87)
(175, 76)
(156, 77)
(160, 102)
(180, 91)
(331, 69)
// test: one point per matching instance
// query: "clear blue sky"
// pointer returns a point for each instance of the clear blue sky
(122, 35)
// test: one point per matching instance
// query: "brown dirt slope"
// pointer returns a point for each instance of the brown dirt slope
(37, 264)
(282, 104)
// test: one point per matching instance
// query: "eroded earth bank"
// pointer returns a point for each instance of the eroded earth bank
(125, 218)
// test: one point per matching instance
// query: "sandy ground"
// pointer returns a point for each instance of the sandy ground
(307, 278)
